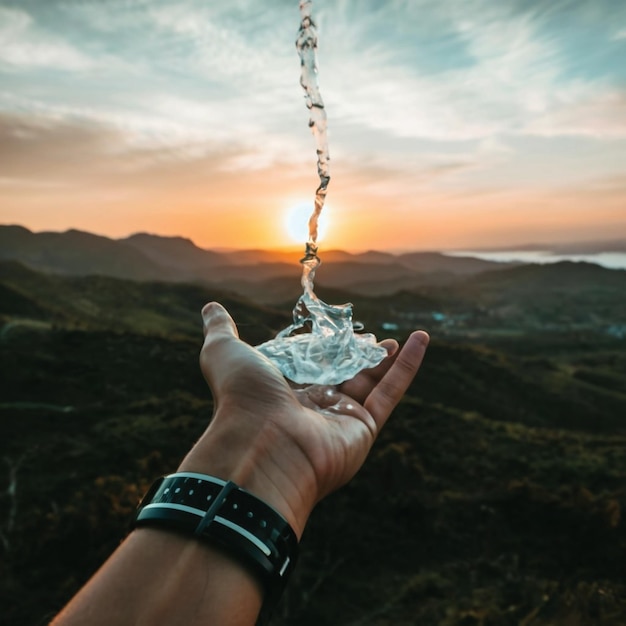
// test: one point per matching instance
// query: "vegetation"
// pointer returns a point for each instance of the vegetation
(493, 497)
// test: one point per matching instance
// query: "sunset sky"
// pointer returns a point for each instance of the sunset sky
(452, 124)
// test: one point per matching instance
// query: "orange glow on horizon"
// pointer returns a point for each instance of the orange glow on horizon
(238, 212)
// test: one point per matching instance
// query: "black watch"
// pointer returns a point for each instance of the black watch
(229, 518)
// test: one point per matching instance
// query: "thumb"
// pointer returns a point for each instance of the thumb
(221, 347)
(216, 321)
(231, 366)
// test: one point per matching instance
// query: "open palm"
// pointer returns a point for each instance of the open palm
(306, 441)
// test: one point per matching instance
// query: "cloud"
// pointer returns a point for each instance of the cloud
(509, 75)
(517, 72)
(97, 145)
(30, 145)
(192, 69)
(610, 187)
(233, 46)
(216, 47)
(164, 115)
(188, 78)
(601, 116)
(29, 183)
(24, 46)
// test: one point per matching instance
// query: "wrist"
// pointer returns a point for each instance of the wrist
(260, 460)
(228, 518)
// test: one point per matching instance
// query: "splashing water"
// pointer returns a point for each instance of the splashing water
(320, 347)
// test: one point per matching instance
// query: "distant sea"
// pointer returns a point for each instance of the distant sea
(611, 260)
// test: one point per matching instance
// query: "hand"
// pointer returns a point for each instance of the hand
(291, 446)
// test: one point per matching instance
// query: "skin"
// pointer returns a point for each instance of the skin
(289, 446)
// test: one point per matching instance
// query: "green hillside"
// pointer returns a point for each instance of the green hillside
(493, 497)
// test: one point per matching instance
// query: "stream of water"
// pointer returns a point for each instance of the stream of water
(320, 346)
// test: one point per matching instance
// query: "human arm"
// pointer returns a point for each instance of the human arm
(289, 447)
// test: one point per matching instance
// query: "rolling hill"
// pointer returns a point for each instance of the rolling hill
(493, 497)
(150, 257)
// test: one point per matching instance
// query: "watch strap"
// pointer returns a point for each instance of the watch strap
(229, 518)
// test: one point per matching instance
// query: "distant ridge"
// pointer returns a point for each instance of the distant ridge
(77, 252)
(178, 253)
(576, 247)
(260, 274)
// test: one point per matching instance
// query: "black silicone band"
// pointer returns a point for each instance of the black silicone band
(229, 518)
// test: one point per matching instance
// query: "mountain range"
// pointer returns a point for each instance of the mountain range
(151, 257)
(452, 283)
(494, 495)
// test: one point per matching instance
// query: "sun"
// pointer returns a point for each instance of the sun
(296, 222)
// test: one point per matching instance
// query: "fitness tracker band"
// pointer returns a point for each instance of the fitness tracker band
(229, 518)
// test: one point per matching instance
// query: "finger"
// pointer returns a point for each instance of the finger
(388, 392)
(216, 318)
(231, 366)
(362, 384)
(222, 348)
(391, 345)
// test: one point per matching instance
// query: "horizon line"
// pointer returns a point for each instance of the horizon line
(535, 246)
